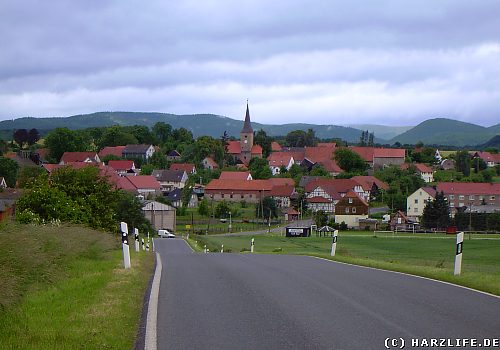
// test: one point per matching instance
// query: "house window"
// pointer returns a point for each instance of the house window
(415, 210)
(416, 201)
(350, 200)
(399, 220)
(492, 198)
(230, 196)
(347, 210)
(249, 196)
(461, 204)
(461, 197)
(222, 195)
(481, 198)
(452, 204)
(452, 197)
(471, 197)
(353, 210)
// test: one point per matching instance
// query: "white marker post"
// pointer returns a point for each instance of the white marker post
(126, 251)
(251, 246)
(334, 242)
(222, 249)
(136, 235)
(458, 253)
(143, 245)
(147, 244)
(205, 249)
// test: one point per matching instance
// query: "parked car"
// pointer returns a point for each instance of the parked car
(165, 234)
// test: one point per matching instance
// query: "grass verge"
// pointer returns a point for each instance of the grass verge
(428, 256)
(65, 288)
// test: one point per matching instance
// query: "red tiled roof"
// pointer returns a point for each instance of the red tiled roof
(275, 147)
(278, 159)
(69, 157)
(143, 181)
(121, 164)
(327, 144)
(422, 168)
(389, 153)
(282, 191)
(115, 151)
(233, 147)
(187, 167)
(125, 184)
(488, 157)
(319, 154)
(298, 156)
(367, 182)
(234, 175)
(256, 149)
(467, 188)
(341, 185)
(352, 194)
(331, 166)
(212, 162)
(430, 190)
(364, 152)
(239, 185)
(290, 211)
(282, 181)
(319, 200)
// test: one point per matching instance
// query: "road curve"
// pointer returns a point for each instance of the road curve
(252, 301)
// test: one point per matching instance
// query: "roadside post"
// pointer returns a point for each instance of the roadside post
(222, 249)
(458, 253)
(143, 245)
(205, 249)
(252, 245)
(334, 242)
(147, 244)
(126, 251)
(136, 236)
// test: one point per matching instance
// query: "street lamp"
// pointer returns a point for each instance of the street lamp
(230, 223)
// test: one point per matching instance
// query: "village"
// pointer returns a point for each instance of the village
(236, 184)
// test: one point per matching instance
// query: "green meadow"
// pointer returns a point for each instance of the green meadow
(430, 256)
(65, 288)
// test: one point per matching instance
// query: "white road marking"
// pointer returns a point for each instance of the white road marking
(150, 342)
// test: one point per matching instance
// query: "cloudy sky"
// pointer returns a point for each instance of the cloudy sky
(329, 62)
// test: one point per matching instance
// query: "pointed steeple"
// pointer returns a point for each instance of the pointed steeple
(247, 126)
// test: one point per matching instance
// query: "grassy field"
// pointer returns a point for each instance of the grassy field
(429, 256)
(65, 288)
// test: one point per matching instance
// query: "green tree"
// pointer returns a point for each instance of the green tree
(319, 170)
(129, 210)
(264, 141)
(162, 131)
(436, 213)
(222, 209)
(33, 136)
(78, 196)
(116, 136)
(266, 208)
(8, 170)
(462, 160)
(259, 169)
(28, 175)
(350, 161)
(203, 208)
(141, 133)
(158, 161)
(320, 218)
(63, 140)
(147, 169)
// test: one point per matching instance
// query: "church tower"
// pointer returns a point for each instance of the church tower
(246, 139)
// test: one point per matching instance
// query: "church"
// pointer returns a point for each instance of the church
(244, 149)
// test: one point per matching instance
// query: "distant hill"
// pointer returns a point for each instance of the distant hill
(493, 142)
(198, 124)
(382, 131)
(442, 131)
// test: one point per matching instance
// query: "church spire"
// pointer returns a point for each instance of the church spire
(247, 126)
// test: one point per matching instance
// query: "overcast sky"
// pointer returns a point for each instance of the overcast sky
(327, 62)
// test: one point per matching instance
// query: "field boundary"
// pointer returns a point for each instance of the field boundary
(407, 274)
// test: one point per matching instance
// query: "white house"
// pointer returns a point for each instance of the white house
(416, 202)
(278, 160)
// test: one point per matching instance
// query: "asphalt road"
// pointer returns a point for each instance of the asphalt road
(252, 301)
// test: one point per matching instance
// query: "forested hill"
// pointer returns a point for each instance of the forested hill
(198, 124)
(442, 131)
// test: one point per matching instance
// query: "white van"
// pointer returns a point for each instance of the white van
(165, 234)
